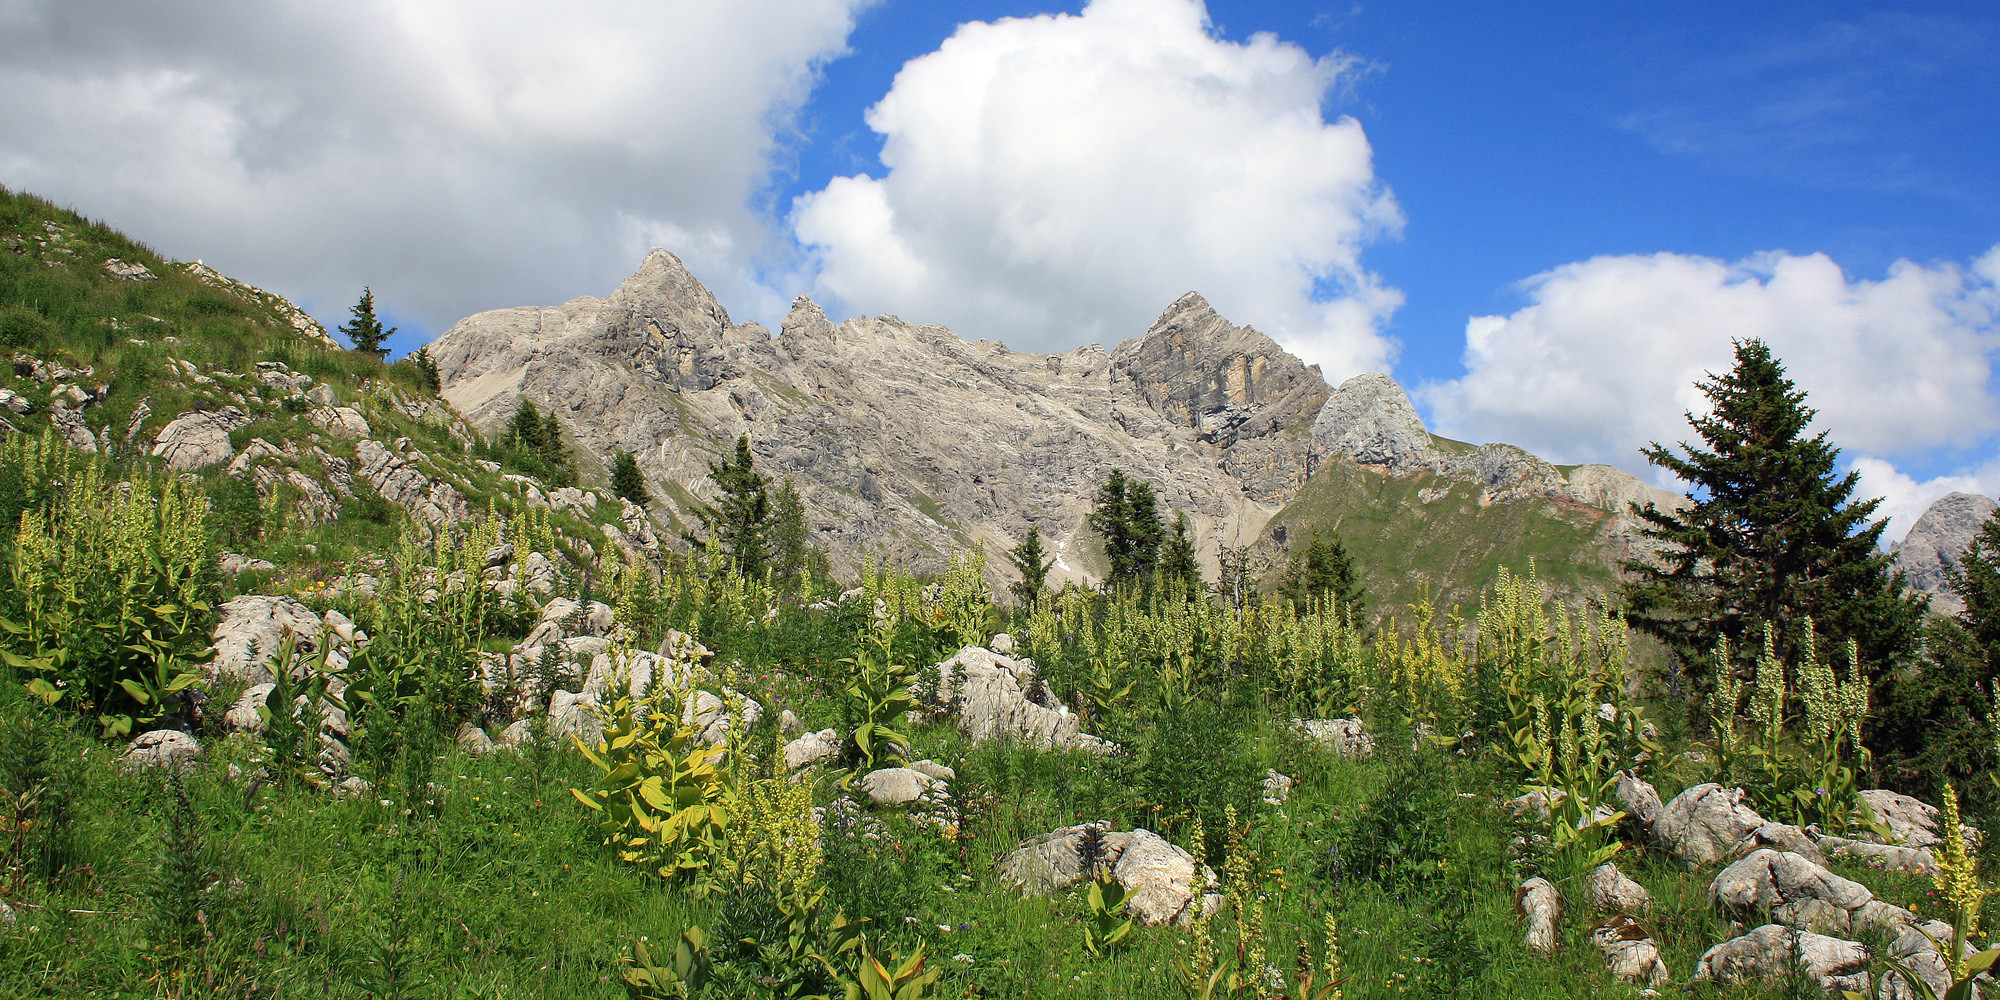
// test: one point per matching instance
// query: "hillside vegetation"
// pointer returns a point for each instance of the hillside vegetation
(307, 687)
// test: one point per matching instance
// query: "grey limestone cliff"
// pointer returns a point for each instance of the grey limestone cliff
(910, 441)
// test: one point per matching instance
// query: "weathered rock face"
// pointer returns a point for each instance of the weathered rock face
(199, 438)
(995, 696)
(1539, 907)
(161, 748)
(1702, 826)
(1774, 951)
(1798, 893)
(1369, 419)
(1158, 875)
(908, 441)
(1937, 540)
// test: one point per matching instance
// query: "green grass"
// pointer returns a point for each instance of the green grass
(1452, 545)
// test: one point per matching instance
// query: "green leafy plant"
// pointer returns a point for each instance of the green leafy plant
(687, 971)
(1801, 761)
(1105, 923)
(663, 795)
(903, 978)
(109, 606)
(877, 699)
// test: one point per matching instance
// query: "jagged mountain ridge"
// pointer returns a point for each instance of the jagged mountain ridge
(908, 441)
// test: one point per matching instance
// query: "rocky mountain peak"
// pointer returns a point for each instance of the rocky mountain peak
(1369, 420)
(663, 290)
(1939, 539)
(1224, 381)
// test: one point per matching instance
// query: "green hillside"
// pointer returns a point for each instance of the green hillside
(104, 332)
(1453, 544)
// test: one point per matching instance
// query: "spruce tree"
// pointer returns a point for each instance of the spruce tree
(1770, 534)
(364, 330)
(627, 481)
(1325, 571)
(1127, 517)
(741, 521)
(1028, 560)
(427, 370)
(792, 551)
(559, 465)
(1178, 565)
(525, 430)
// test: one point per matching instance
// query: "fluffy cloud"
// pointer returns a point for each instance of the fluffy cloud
(1606, 355)
(456, 155)
(1057, 179)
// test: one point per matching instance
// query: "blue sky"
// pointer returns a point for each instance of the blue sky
(1546, 220)
(1519, 137)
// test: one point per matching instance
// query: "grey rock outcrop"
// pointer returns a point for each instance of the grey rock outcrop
(1539, 907)
(199, 438)
(1702, 826)
(1612, 892)
(400, 482)
(1346, 737)
(1369, 420)
(1937, 541)
(994, 696)
(1798, 893)
(899, 786)
(1158, 876)
(1912, 822)
(812, 748)
(161, 748)
(1892, 857)
(1629, 952)
(1774, 951)
(251, 632)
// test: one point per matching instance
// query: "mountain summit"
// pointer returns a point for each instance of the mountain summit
(909, 440)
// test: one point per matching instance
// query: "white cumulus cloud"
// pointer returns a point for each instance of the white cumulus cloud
(1058, 179)
(1605, 356)
(456, 155)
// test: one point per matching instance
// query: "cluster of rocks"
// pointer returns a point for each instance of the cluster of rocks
(1773, 874)
(994, 695)
(71, 391)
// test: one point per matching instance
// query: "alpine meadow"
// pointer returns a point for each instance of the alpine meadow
(460, 647)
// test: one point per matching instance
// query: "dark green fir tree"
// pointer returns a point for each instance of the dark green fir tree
(627, 481)
(364, 330)
(1031, 562)
(1770, 533)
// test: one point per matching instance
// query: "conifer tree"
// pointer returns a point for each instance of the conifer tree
(791, 539)
(364, 330)
(1028, 560)
(627, 481)
(525, 430)
(1325, 571)
(1177, 559)
(427, 370)
(1127, 517)
(741, 522)
(1769, 534)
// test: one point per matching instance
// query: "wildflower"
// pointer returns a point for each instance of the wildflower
(1957, 878)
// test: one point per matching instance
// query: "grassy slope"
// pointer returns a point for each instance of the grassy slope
(1452, 544)
(57, 302)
